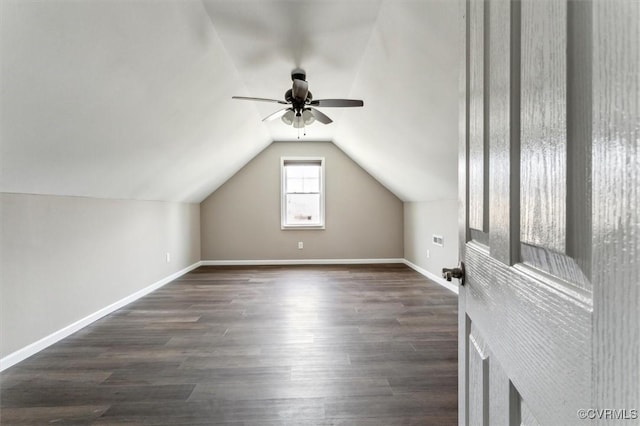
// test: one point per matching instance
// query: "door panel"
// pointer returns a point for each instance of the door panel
(526, 417)
(550, 171)
(504, 405)
(579, 136)
(504, 129)
(479, 379)
(477, 151)
(543, 124)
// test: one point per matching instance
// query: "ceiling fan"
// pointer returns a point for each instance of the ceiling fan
(300, 110)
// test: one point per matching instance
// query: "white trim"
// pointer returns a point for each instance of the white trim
(433, 277)
(33, 348)
(299, 262)
(283, 193)
(438, 280)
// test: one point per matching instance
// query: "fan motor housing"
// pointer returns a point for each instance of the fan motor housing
(288, 96)
(298, 74)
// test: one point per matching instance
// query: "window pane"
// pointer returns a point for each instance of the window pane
(295, 170)
(311, 170)
(303, 178)
(295, 184)
(303, 209)
(311, 184)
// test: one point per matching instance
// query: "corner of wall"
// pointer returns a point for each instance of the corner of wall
(423, 221)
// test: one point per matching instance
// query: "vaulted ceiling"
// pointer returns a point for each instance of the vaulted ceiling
(132, 99)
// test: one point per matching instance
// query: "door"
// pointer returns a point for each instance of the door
(550, 174)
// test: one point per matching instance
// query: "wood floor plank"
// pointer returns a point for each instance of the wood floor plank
(269, 345)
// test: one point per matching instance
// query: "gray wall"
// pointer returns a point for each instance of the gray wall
(241, 220)
(64, 258)
(421, 221)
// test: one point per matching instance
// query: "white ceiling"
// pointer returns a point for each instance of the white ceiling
(132, 99)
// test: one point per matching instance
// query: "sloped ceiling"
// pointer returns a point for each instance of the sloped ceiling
(132, 99)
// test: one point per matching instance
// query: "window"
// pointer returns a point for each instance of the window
(302, 193)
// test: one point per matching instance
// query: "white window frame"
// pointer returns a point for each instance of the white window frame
(283, 191)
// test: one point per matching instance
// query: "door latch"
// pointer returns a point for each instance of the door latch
(458, 272)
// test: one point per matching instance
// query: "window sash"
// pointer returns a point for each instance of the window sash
(302, 193)
(302, 178)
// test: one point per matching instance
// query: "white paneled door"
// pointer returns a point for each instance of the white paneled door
(550, 233)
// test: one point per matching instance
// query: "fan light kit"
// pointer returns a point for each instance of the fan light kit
(300, 111)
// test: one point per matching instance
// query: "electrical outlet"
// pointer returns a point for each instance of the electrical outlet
(168, 257)
(300, 245)
(438, 240)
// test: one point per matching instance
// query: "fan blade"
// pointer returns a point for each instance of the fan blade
(245, 98)
(340, 103)
(321, 117)
(276, 115)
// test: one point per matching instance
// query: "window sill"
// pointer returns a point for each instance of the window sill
(302, 227)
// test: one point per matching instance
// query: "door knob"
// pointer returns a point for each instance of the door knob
(458, 272)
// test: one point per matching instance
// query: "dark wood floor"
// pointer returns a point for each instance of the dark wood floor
(321, 345)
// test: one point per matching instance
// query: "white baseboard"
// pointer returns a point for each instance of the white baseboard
(299, 262)
(439, 280)
(33, 348)
(433, 277)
